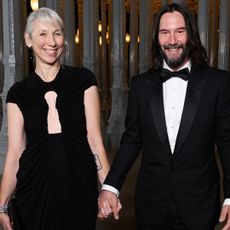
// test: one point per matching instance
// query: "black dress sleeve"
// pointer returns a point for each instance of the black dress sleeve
(89, 78)
(12, 95)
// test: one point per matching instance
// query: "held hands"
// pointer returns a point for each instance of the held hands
(108, 204)
(5, 221)
(225, 216)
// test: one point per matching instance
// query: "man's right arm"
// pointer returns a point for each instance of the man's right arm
(130, 146)
(110, 188)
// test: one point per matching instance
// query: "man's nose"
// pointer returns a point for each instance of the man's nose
(172, 39)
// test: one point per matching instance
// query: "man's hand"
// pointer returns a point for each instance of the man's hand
(108, 203)
(225, 216)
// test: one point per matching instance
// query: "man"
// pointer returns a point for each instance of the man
(176, 119)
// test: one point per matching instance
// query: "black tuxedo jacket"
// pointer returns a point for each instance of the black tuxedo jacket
(190, 175)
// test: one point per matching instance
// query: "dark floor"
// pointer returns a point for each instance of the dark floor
(127, 220)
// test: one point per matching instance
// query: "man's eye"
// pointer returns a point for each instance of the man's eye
(164, 32)
(180, 31)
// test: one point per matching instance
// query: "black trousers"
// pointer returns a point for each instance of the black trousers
(172, 222)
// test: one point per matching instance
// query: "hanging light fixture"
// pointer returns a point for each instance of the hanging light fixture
(77, 39)
(127, 37)
(99, 27)
(34, 4)
(100, 40)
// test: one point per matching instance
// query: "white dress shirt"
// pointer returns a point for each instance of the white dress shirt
(174, 91)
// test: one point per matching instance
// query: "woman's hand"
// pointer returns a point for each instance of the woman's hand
(108, 204)
(5, 221)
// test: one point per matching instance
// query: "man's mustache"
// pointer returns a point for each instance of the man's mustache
(174, 46)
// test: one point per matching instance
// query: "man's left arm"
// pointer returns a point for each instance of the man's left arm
(223, 144)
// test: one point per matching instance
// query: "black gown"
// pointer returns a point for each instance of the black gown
(57, 177)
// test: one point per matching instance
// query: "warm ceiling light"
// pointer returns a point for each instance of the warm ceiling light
(127, 38)
(77, 40)
(99, 27)
(34, 4)
(107, 35)
(100, 40)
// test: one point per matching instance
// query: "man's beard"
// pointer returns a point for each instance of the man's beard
(175, 63)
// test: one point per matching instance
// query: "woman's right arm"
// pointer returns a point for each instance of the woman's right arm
(16, 145)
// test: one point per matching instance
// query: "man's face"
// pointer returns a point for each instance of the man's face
(172, 39)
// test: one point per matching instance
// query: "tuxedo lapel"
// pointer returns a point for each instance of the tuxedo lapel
(194, 90)
(157, 109)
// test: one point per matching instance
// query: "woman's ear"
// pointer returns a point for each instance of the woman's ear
(27, 40)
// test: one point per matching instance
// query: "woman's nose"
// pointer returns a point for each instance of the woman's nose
(51, 40)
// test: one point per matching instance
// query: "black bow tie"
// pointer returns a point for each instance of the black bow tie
(167, 74)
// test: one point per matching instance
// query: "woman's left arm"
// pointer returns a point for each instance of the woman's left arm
(92, 113)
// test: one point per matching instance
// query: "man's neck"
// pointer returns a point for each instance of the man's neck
(187, 64)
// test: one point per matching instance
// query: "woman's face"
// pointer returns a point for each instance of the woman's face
(47, 42)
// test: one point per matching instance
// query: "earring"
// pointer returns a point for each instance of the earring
(28, 45)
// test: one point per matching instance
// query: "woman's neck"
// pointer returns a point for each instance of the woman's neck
(47, 72)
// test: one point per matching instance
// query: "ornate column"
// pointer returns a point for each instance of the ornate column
(80, 29)
(204, 22)
(1, 66)
(164, 2)
(109, 42)
(69, 19)
(53, 4)
(90, 35)
(133, 54)
(179, 1)
(224, 18)
(214, 34)
(42, 3)
(56, 5)
(146, 25)
(119, 88)
(103, 64)
(26, 51)
(12, 59)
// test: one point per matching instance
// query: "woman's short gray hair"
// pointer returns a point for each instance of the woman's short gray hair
(45, 15)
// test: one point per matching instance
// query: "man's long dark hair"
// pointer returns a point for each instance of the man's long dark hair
(197, 53)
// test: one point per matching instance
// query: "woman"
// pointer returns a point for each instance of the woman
(54, 138)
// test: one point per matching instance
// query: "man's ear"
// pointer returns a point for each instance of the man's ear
(27, 40)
